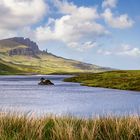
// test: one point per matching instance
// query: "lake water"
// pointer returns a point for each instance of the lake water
(23, 94)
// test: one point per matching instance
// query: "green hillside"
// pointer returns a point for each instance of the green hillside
(38, 62)
(7, 69)
(125, 80)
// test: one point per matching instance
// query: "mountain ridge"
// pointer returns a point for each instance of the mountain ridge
(25, 55)
(30, 47)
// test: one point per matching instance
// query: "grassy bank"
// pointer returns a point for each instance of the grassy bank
(67, 128)
(125, 80)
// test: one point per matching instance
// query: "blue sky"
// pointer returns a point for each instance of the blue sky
(101, 32)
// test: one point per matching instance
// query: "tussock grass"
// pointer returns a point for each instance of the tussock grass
(14, 127)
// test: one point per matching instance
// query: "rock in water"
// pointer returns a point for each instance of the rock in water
(45, 82)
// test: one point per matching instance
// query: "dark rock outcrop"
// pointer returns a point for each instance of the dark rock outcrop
(31, 47)
(45, 82)
(22, 51)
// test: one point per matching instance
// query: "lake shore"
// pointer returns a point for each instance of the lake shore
(69, 128)
(24, 94)
(124, 80)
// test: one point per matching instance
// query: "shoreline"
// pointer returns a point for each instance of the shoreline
(121, 80)
(111, 80)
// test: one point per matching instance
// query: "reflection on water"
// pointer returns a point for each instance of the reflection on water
(22, 93)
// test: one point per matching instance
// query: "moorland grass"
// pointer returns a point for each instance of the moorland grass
(125, 80)
(13, 127)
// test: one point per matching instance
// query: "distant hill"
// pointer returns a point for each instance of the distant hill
(21, 55)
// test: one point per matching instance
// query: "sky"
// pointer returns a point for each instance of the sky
(101, 32)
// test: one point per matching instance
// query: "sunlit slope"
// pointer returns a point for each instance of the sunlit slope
(42, 62)
(47, 63)
(8, 69)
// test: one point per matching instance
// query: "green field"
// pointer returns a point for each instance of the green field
(13, 127)
(125, 80)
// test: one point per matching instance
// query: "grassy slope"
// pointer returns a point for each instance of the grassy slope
(47, 63)
(125, 80)
(43, 63)
(7, 69)
(68, 128)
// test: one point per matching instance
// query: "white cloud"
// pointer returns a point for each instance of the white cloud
(75, 25)
(109, 3)
(129, 50)
(79, 12)
(5, 33)
(121, 22)
(19, 13)
(69, 29)
(104, 52)
(83, 46)
(123, 50)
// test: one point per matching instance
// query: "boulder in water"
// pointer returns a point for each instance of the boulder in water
(45, 82)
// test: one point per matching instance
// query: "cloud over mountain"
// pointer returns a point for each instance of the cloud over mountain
(20, 13)
(78, 27)
(75, 26)
(121, 21)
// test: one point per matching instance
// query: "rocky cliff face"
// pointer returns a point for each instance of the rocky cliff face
(31, 49)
